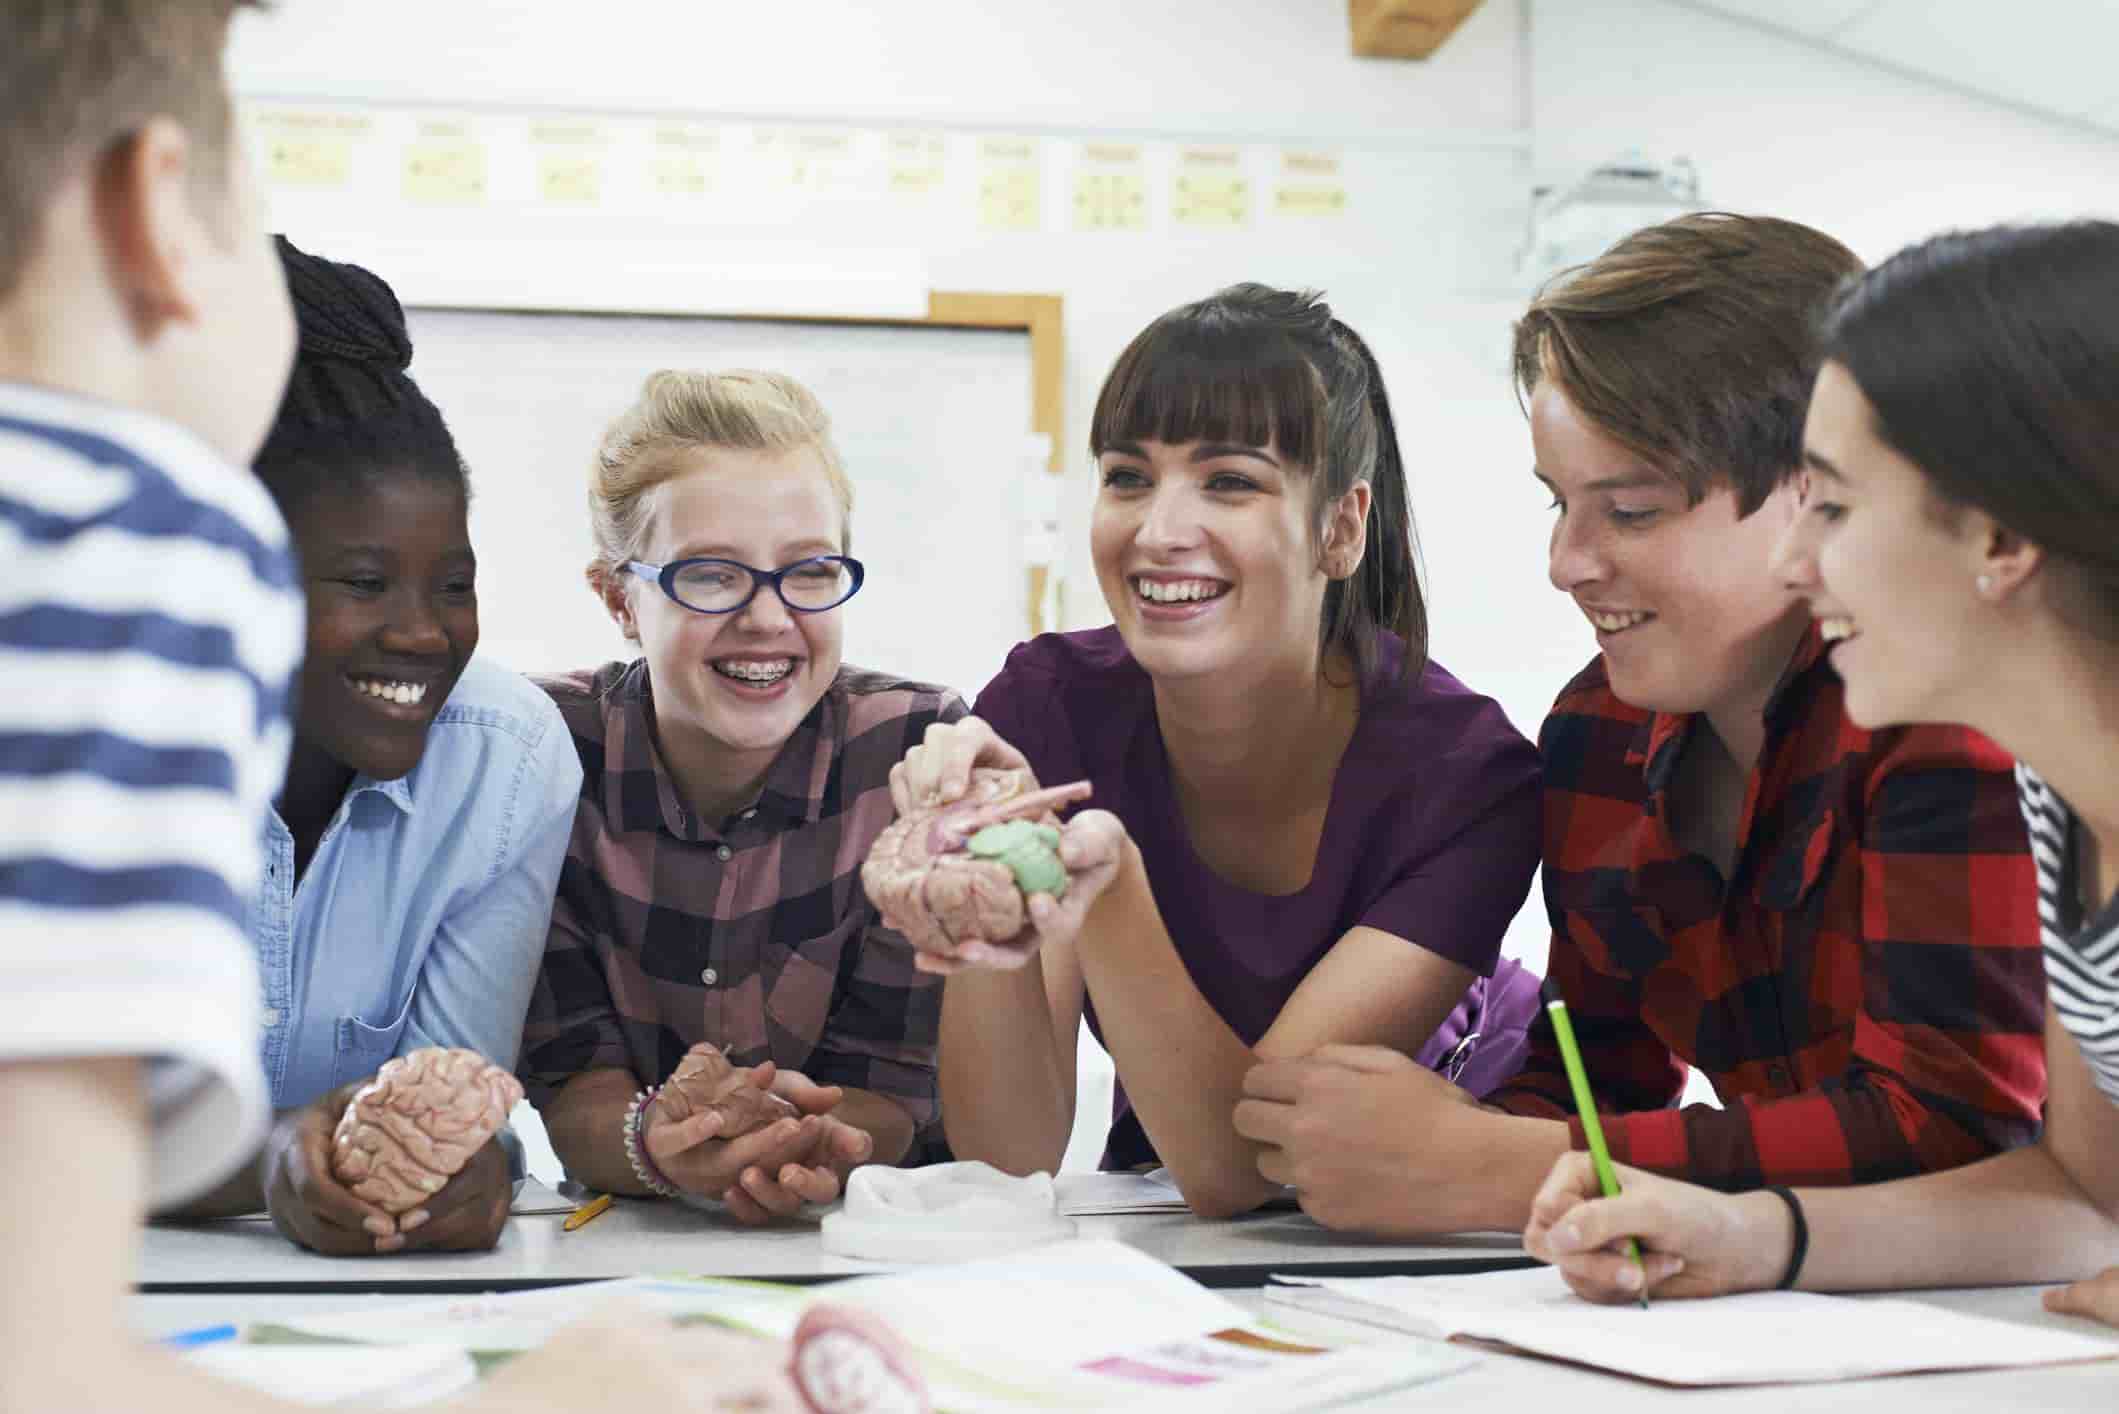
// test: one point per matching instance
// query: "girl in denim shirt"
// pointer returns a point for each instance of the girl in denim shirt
(412, 856)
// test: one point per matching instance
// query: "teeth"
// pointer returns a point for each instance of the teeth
(1178, 591)
(1835, 629)
(405, 694)
(1613, 623)
(771, 671)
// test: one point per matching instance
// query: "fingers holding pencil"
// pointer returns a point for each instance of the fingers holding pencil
(1693, 1241)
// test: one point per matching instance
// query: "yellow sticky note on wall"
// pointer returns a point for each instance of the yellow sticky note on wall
(308, 147)
(570, 178)
(681, 174)
(569, 159)
(1110, 188)
(1310, 184)
(1011, 184)
(1210, 188)
(308, 161)
(916, 162)
(445, 171)
(686, 156)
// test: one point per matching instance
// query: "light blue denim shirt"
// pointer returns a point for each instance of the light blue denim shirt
(421, 920)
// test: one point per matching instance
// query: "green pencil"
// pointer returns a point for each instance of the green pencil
(1586, 1106)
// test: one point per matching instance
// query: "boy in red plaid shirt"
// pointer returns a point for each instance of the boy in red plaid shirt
(1837, 926)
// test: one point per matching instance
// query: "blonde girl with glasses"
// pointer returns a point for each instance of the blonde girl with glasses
(722, 1016)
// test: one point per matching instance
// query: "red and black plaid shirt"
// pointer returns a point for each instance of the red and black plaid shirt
(1865, 990)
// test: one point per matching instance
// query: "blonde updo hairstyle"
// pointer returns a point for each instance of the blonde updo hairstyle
(680, 411)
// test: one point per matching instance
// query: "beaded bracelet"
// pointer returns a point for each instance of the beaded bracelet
(636, 1151)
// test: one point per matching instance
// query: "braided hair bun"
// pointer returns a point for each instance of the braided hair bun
(351, 410)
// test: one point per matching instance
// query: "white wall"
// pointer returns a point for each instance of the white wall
(1439, 162)
(1776, 125)
(1266, 67)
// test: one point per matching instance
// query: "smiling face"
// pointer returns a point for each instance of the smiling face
(393, 615)
(1892, 583)
(1687, 609)
(1207, 556)
(742, 681)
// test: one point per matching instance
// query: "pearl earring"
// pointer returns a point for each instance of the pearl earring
(1986, 585)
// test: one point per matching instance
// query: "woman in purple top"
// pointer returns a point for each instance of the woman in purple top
(1305, 833)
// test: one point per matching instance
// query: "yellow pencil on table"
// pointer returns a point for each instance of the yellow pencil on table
(1586, 1107)
(586, 1213)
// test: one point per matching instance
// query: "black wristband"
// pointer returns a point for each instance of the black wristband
(1802, 1237)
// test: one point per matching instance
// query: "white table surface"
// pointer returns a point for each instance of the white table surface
(638, 1237)
(1500, 1382)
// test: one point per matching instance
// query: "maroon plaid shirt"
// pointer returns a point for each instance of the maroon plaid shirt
(752, 932)
(1865, 991)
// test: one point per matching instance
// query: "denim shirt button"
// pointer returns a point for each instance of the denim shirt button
(270, 1018)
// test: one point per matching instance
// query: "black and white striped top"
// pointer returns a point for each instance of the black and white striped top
(149, 621)
(2081, 955)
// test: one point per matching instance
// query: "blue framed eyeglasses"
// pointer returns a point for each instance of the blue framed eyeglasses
(723, 586)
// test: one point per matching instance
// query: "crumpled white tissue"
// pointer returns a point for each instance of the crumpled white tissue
(943, 1213)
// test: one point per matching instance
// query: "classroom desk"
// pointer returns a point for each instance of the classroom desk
(1498, 1382)
(637, 1237)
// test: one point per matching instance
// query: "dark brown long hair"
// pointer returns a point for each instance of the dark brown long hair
(1991, 359)
(1262, 367)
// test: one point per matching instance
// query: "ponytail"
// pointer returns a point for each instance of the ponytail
(1383, 593)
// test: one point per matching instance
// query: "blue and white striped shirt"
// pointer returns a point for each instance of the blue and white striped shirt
(2081, 951)
(149, 623)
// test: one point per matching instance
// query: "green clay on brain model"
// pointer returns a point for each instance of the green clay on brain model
(1030, 850)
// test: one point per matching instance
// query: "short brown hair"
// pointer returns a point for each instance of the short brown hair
(79, 75)
(1694, 344)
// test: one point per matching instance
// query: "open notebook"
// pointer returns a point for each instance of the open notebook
(1074, 1325)
(1767, 1337)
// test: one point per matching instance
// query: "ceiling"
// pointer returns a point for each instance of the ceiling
(2052, 56)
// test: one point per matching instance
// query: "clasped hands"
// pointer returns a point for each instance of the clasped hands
(759, 1139)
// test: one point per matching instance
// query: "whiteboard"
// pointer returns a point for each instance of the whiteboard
(932, 422)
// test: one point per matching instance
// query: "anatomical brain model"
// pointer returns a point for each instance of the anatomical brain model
(407, 1132)
(706, 1080)
(962, 871)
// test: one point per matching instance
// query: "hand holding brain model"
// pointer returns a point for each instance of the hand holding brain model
(758, 1138)
(977, 871)
(412, 1128)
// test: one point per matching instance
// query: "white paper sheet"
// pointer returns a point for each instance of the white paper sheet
(1072, 1325)
(1084, 1195)
(336, 1376)
(1768, 1337)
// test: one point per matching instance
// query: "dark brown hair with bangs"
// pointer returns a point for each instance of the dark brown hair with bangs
(1261, 367)
(1692, 343)
(77, 76)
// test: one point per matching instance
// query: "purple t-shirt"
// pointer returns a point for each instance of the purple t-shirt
(1431, 835)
